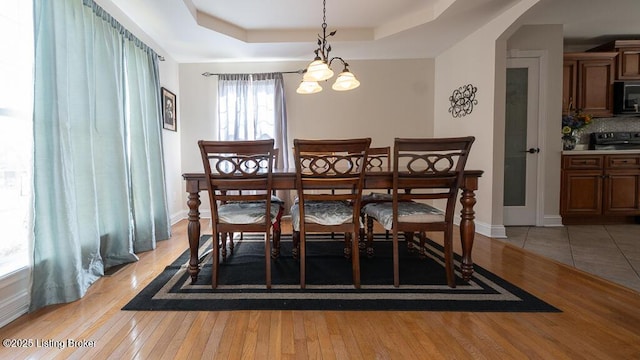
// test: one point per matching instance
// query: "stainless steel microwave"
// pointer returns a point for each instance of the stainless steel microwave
(626, 97)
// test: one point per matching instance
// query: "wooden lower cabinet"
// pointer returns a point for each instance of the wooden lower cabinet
(599, 188)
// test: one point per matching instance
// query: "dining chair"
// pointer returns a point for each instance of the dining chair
(429, 169)
(275, 200)
(240, 184)
(329, 181)
(378, 159)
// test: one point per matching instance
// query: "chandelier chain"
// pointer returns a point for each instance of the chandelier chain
(324, 13)
(320, 68)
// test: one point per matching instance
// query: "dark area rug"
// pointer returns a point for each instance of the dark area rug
(329, 282)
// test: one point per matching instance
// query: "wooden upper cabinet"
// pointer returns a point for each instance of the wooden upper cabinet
(569, 84)
(628, 63)
(588, 82)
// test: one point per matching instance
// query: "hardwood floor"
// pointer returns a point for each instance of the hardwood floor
(600, 320)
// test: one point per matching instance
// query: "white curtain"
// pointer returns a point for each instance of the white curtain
(252, 107)
(98, 172)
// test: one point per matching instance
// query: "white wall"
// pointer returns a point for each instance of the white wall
(171, 143)
(547, 39)
(394, 100)
(479, 59)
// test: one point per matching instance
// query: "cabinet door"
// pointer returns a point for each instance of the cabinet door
(621, 185)
(569, 85)
(621, 192)
(629, 64)
(581, 192)
(595, 89)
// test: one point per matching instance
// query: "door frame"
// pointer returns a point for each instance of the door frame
(542, 57)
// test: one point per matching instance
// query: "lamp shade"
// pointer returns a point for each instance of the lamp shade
(345, 81)
(318, 70)
(308, 87)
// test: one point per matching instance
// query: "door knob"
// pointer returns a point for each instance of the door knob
(533, 150)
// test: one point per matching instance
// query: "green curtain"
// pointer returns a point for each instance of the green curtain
(99, 191)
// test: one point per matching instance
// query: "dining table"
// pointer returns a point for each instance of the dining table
(285, 179)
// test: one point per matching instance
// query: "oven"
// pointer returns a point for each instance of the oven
(614, 140)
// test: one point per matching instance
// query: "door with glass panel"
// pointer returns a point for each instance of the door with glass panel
(521, 142)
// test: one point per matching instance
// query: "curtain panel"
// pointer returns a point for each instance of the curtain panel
(252, 107)
(99, 192)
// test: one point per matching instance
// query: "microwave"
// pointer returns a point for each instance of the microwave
(626, 97)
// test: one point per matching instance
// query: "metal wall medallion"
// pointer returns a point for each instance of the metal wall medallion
(462, 100)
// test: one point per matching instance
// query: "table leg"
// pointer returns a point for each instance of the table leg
(193, 231)
(467, 231)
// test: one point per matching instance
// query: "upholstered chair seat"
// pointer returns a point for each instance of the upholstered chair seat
(247, 212)
(376, 197)
(323, 213)
(408, 212)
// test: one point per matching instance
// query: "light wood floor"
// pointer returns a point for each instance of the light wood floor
(600, 320)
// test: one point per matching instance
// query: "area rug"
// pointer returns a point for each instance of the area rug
(329, 282)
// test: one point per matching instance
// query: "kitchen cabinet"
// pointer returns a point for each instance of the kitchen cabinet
(599, 186)
(588, 82)
(628, 61)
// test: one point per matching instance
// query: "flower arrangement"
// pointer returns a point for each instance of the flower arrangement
(572, 122)
(575, 121)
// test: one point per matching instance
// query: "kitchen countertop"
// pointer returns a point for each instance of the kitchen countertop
(599, 152)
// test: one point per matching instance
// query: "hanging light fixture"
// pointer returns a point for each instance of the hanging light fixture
(320, 68)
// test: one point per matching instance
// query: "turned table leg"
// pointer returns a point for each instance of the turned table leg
(193, 231)
(467, 231)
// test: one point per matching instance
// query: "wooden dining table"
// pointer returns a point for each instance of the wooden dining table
(284, 179)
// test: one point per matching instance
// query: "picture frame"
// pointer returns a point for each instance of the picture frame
(169, 114)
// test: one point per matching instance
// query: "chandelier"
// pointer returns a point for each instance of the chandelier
(320, 68)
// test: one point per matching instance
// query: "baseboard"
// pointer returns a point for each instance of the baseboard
(15, 295)
(552, 220)
(175, 218)
(488, 230)
(184, 214)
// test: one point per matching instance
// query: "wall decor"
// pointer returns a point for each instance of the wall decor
(169, 115)
(462, 100)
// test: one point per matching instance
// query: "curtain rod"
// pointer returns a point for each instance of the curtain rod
(207, 74)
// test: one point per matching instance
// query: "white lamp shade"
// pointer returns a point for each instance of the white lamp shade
(309, 87)
(345, 81)
(318, 70)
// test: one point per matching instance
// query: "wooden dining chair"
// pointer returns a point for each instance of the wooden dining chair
(378, 159)
(232, 166)
(329, 181)
(275, 200)
(429, 169)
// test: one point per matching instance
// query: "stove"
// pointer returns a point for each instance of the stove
(614, 141)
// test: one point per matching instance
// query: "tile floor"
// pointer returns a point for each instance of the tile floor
(608, 251)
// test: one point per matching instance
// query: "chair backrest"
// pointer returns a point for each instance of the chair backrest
(330, 165)
(379, 158)
(232, 166)
(436, 164)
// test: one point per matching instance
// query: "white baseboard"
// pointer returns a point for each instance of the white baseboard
(492, 231)
(184, 214)
(552, 220)
(488, 230)
(14, 295)
(174, 218)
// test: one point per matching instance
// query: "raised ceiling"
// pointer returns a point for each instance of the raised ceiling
(265, 30)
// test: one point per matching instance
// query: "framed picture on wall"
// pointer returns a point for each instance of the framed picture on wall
(169, 115)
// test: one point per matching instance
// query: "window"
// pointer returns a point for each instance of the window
(252, 107)
(16, 84)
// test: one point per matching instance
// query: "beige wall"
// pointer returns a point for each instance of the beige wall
(548, 40)
(171, 145)
(394, 100)
(479, 59)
